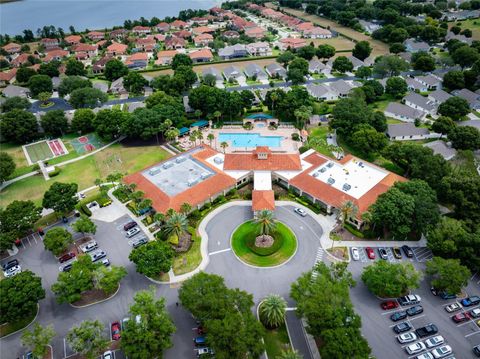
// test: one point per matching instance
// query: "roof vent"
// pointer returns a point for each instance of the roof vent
(330, 180)
(204, 175)
(193, 182)
(315, 174)
(218, 160)
(330, 164)
(322, 170)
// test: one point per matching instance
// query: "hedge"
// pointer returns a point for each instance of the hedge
(85, 210)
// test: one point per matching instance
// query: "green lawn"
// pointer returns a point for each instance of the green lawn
(9, 328)
(321, 146)
(276, 341)
(243, 240)
(472, 24)
(188, 261)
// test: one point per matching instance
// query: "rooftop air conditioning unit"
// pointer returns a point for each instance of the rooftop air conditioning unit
(167, 165)
(330, 164)
(331, 180)
(346, 187)
(193, 182)
(154, 170)
(218, 160)
(204, 175)
(181, 159)
(322, 170)
(315, 174)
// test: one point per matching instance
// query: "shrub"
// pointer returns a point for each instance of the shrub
(303, 149)
(295, 137)
(121, 194)
(86, 210)
(55, 172)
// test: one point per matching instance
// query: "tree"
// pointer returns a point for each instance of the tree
(348, 113)
(396, 48)
(224, 145)
(290, 354)
(108, 123)
(16, 102)
(368, 141)
(153, 258)
(209, 80)
(71, 83)
(465, 138)
(75, 68)
(61, 197)
(57, 240)
(114, 69)
(153, 332)
(134, 82)
(84, 225)
(88, 338)
(390, 65)
(16, 219)
(54, 123)
(306, 52)
(20, 296)
(454, 107)
(83, 121)
(344, 342)
(176, 225)
(325, 51)
(87, 97)
(396, 86)
(285, 57)
(44, 97)
(463, 191)
(390, 280)
(185, 208)
(362, 50)
(40, 83)
(266, 221)
(295, 76)
(38, 339)
(454, 80)
(342, 64)
(363, 72)
(422, 61)
(181, 60)
(108, 279)
(7, 166)
(443, 125)
(24, 73)
(447, 275)
(465, 56)
(348, 210)
(272, 310)
(49, 69)
(302, 115)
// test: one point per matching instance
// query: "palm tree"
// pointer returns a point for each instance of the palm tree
(199, 136)
(224, 145)
(185, 208)
(210, 138)
(137, 196)
(144, 204)
(171, 134)
(158, 218)
(302, 115)
(198, 113)
(176, 225)
(266, 221)
(367, 219)
(273, 97)
(289, 354)
(193, 138)
(217, 115)
(348, 210)
(272, 310)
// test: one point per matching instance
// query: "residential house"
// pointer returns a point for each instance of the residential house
(403, 112)
(117, 49)
(7, 77)
(253, 71)
(291, 43)
(203, 55)
(48, 43)
(90, 50)
(369, 26)
(407, 56)
(203, 30)
(409, 132)
(158, 37)
(471, 123)
(255, 32)
(439, 96)
(317, 33)
(315, 66)
(233, 52)
(145, 44)
(198, 21)
(102, 86)
(442, 148)
(174, 43)
(141, 30)
(412, 45)
(342, 88)
(117, 87)
(15, 91)
(414, 85)
(73, 39)
(461, 38)
(178, 25)
(432, 82)
(259, 49)
(55, 55)
(203, 39)
(96, 35)
(213, 72)
(99, 66)
(165, 57)
(162, 27)
(472, 98)
(12, 48)
(322, 92)
(304, 26)
(355, 62)
(138, 60)
(418, 102)
(184, 34)
(231, 34)
(118, 34)
(22, 59)
(275, 70)
(233, 73)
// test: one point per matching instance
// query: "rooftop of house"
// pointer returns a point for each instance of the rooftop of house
(406, 129)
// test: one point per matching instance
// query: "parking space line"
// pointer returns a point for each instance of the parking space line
(474, 333)
(417, 317)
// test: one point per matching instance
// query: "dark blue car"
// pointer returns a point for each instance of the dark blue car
(200, 341)
(468, 302)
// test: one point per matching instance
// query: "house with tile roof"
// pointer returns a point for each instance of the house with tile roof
(55, 55)
(178, 25)
(8, 77)
(291, 43)
(259, 48)
(73, 39)
(165, 57)
(203, 39)
(317, 33)
(138, 60)
(174, 43)
(203, 55)
(233, 52)
(255, 32)
(48, 43)
(141, 30)
(117, 49)
(162, 27)
(96, 35)
(12, 48)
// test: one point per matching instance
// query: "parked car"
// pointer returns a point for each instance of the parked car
(426, 356)
(434, 341)
(106, 262)
(389, 304)
(12, 271)
(355, 253)
(427, 330)
(398, 316)
(409, 299)
(115, 329)
(200, 341)
(139, 241)
(415, 310)
(382, 252)
(300, 211)
(132, 232)
(475, 313)
(442, 351)
(476, 350)
(408, 251)
(397, 253)
(66, 268)
(470, 301)
(109, 355)
(129, 225)
(370, 253)
(205, 351)
(461, 317)
(407, 337)
(402, 327)
(415, 348)
(10, 264)
(124, 322)
(66, 257)
(88, 247)
(442, 294)
(453, 307)
(97, 255)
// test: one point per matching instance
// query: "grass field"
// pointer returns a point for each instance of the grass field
(39, 151)
(188, 261)
(276, 341)
(321, 146)
(116, 158)
(472, 24)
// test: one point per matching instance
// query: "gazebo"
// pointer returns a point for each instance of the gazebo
(260, 117)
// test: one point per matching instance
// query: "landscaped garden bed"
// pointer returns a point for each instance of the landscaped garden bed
(9, 328)
(93, 296)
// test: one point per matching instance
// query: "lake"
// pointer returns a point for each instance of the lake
(33, 14)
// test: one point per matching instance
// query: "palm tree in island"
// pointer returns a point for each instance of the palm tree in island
(348, 210)
(176, 225)
(224, 145)
(210, 138)
(272, 310)
(266, 221)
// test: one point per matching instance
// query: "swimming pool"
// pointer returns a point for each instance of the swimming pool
(250, 140)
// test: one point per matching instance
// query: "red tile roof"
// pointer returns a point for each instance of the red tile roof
(263, 200)
(117, 48)
(73, 39)
(273, 162)
(84, 48)
(201, 54)
(8, 76)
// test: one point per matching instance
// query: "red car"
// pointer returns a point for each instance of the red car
(389, 304)
(115, 331)
(370, 253)
(461, 317)
(66, 257)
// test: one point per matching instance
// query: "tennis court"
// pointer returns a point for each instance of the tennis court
(44, 150)
(87, 143)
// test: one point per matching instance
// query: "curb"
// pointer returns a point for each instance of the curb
(258, 318)
(157, 281)
(25, 327)
(98, 302)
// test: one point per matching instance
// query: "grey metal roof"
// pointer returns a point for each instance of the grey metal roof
(468, 95)
(439, 96)
(403, 110)
(315, 65)
(472, 123)
(212, 71)
(441, 148)
(420, 101)
(318, 91)
(232, 72)
(341, 87)
(255, 70)
(405, 129)
(275, 68)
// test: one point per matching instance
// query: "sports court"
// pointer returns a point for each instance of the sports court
(87, 143)
(44, 150)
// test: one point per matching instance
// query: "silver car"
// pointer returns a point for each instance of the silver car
(97, 255)
(300, 211)
(355, 253)
(13, 271)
